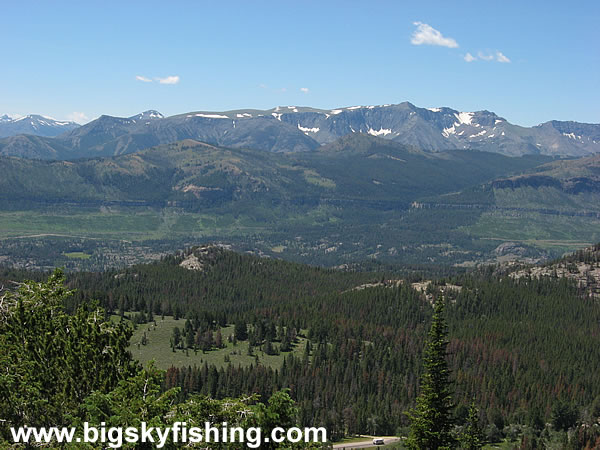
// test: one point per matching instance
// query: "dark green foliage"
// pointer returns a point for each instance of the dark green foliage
(281, 411)
(535, 418)
(176, 338)
(472, 437)
(516, 345)
(564, 416)
(241, 331)
(595, 408)
(134, 400)
(529, 440)
(64, 370)
(493, 434)
(378, 333)
(52, 360)
(431, 419)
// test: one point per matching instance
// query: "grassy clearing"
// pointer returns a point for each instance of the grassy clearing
(158, 348)
(129, 225)
(504, 445)
(543, 231)
(314, 178)
(91, 224)
(77, 255)
(142, 224)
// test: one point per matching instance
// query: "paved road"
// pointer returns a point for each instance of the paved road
(366, 443)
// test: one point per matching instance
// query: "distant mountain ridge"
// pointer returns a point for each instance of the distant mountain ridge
(565, 186)
(568, 176)
(356, 167)
(301, 129)
(34, 124)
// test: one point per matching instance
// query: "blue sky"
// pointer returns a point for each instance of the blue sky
(534, 61)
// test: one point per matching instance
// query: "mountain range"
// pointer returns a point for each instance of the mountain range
(34, 124)
(354, 168)
(293, 129)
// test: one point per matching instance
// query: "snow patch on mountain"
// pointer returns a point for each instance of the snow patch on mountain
(446, 132)
(572, 136)
(481, 133)
(465, 117)
(210, 116)
(381, 132)
(308, 130)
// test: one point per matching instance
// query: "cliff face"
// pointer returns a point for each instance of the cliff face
(583, 267)
(570, 176)
(535, 181)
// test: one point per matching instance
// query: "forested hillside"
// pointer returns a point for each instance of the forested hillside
(519, 347)
(345, 203)
(71, 370)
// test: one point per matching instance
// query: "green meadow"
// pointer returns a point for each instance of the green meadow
(158, 348)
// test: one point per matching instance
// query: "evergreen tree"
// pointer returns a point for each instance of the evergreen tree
(241, 331)
(52, 360)
(431, 420)
(472, 437)
(564, 416)
(176, 337)
(189, 339)
(219, 339)
(286, 346)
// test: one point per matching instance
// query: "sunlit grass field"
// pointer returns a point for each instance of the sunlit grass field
(158, 348)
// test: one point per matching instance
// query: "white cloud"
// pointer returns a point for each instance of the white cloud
(172, 79)
(485, 56)
(78, 117)
(497, 56)
(501, 58)
(305, 90)
(426, 34)
(469, 58)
